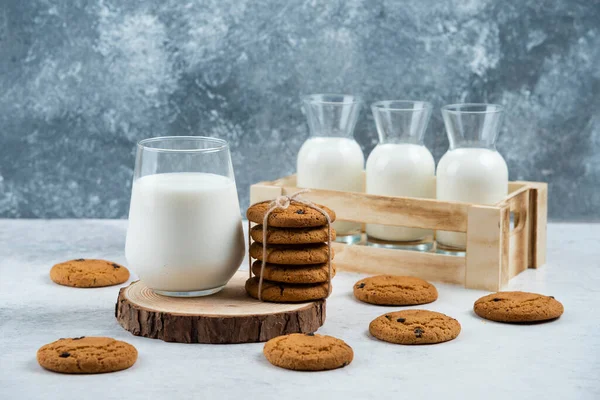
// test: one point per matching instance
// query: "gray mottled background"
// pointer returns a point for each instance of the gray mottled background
(82, 81)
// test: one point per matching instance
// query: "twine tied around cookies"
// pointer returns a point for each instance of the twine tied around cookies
(282, 203)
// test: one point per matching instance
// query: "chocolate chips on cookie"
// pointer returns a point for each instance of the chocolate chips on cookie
(518, 307)
(88, 273)
(391, 290)
(87, 355)
(414, 327)
(290, 217)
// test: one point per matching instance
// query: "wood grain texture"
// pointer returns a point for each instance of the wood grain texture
(373, 260)
(230, 316)
(485, 248)
(388, 210)
(263, 191)
(519, 237)
(505, 247)
(384, 210)
(539, 223)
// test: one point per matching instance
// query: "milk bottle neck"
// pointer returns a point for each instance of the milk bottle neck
(331, 115)
(401, 121)
(472, 125)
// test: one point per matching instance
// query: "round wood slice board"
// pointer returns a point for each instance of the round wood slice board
(230, 316)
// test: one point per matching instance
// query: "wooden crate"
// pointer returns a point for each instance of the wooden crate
(495, 251)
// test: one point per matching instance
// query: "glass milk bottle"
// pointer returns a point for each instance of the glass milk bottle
(472, 170)
(400, 165)
(330, 158)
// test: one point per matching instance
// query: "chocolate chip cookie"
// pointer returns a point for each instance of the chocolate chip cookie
(292, 235)
(89, 273)
(287, 293)
(289, 254)
(308, 352)
(391, 290)
(518, 307)
(316, 273)
(297, 215)
(414, 327)
(87, 355)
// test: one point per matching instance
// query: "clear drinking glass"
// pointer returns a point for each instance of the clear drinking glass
(330, 158)
(472, 170)
(400, 165)
(185, 234)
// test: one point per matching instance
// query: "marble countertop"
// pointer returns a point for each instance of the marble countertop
(558, 360)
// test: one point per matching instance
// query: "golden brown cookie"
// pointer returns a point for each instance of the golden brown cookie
(308, 352)
(89, 273)
(292, 235)
(287, 293)
(414, 327)
(289, 254)
(316, 273)
(297, 215)
(87, 355)
(518, 307)
(391, 290)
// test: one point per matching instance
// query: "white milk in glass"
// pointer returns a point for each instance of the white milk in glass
(185, 231)
(402, 169)
(470, 175)
(332, 163)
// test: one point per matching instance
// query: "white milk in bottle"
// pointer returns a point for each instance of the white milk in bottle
(472, 170)
(400, 165)
(331, 159)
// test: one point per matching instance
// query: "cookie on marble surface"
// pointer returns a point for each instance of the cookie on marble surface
(308, 352)
(87, 355)
(518, 307)
(297, 215)
(89, 273)
(292, 235)
(277, 292)
(391, 290)
(289, 254)
(414, 327)
(316, 273)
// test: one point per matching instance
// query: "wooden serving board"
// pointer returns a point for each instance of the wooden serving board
(230, 316)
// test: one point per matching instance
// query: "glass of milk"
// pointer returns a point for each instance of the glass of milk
(330, 158)
(185, 234)
(472, 170)
(400, 165)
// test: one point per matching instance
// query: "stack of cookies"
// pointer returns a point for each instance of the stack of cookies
(297, 253)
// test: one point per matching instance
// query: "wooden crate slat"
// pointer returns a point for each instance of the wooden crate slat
(373, 260)
(385, 210)
(291, 181)
(505, 247)
(264, 191)
(513, 194)
(485, 247)
(519, 243)
(538, 206)
(514, 186)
